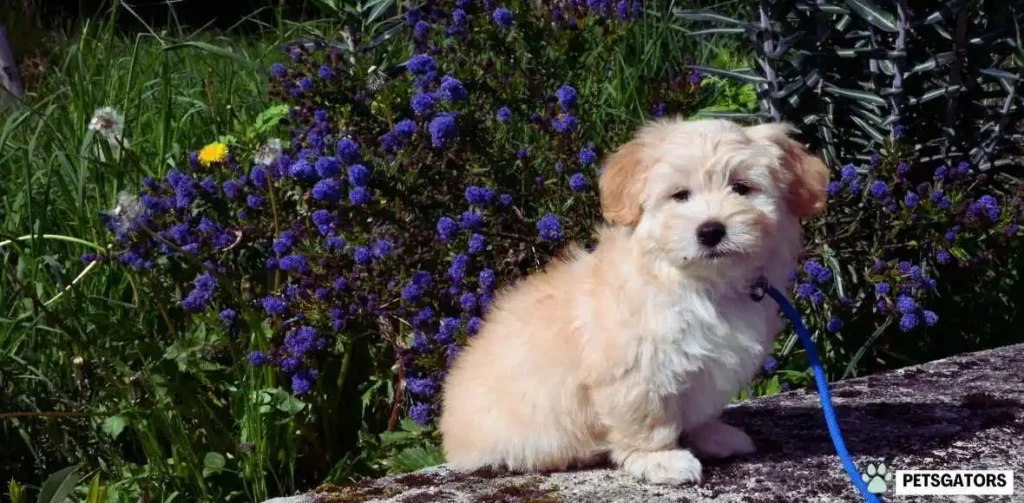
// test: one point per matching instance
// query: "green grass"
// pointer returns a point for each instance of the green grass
(177, 90)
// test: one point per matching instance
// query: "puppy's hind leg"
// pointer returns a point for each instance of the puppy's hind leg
(715, 439)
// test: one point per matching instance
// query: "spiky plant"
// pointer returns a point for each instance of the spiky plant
(945, 76)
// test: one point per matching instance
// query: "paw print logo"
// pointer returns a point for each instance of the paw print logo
(877, 478)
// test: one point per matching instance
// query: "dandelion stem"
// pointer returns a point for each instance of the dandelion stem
(57, 237)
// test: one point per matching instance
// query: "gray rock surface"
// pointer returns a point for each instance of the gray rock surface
(964, 412)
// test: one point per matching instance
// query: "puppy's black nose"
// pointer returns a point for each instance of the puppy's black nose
(710, 233)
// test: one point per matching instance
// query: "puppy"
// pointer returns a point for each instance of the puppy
(622, 352)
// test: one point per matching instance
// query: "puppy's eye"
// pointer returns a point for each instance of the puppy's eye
(682, 195)
(741, 188)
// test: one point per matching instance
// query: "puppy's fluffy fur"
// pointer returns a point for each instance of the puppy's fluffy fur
(629, 349)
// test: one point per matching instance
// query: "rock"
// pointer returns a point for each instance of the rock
(964, 412)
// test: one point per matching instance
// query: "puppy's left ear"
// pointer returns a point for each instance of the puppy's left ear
(804, 176)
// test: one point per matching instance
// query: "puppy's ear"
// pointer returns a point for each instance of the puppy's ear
(621, 185)
(805, 176)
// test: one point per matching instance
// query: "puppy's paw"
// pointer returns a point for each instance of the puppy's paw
(677, 466)
(719, 440)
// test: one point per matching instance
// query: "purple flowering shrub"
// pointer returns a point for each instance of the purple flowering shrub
(348, 261)
(905, 249)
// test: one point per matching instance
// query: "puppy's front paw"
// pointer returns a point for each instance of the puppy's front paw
(719, 440)
(677, 466)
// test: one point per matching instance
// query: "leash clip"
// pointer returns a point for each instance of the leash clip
(759, 288)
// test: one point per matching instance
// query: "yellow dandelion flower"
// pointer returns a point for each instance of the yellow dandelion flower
(213, 153)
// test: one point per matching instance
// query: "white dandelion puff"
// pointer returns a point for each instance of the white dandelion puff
(109, 123)
(269, 152)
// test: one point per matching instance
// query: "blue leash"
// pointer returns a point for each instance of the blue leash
(757, 292)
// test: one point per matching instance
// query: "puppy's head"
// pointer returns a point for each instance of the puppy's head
(710, 191)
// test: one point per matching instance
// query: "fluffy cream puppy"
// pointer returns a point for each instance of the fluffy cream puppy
(639, 345)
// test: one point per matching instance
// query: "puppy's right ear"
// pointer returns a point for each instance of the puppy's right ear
(621, 185)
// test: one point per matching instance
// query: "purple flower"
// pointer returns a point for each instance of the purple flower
(457, 271)
(284, 242)
(902, 169)
(421, 64)
(421, 30)
(587, 156)
(567, 97)
(406, 128)
(324, 221)
(473, 325)
(578, 182)
(805, 290)
(443, 130)
(471, 220)
(420, 413)
(302, 382)
(908, 322)
(488, 280)
(328, 167)
(879, 189)
(504, 115)
(425, 387)
(477, 244)
(480, 196)
(447, 229)
(301, 341)
(503, 17)
(306, 84)
(882, 288)
(550, 228)
(565, 123)
(336, 243)
(412, 291)
(622, 10)
(359, 175)
(905, 304)
(834, 325)
(505, 200)
(325, 72)
(817, 272)
(930, 318)
(302, 170)
(295, 264)
(423, 104)
(328, 189)
(467, 302)
(986, 205)
(257, 358)
(940, 173)
(382, 248)
(273, 305)
(911, 200)
(201, 295)
(362, 255)
(278, 70)
(834, 188)
(359, 196)
(452, 89)
(770, 365)
(348, 151)
(848, 173)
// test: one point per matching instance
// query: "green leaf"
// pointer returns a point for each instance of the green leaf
(705, 15)
(418, 458)
(114, 425)
(291, 405)
(97, 493)
(213, 49)
(58, 486)
(270, 118)
(851, 368)
(397, 437)
(213, 463)
(873, 14)
(16, 492)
